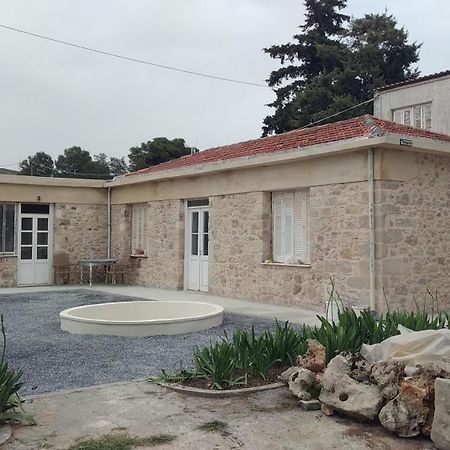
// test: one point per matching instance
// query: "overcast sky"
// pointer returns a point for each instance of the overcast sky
(54, 97)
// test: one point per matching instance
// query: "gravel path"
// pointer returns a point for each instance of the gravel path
(53, 359)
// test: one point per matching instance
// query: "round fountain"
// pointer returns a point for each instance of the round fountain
(141, 318)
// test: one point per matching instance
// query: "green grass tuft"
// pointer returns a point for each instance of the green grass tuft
(215, 426)
(122, 442)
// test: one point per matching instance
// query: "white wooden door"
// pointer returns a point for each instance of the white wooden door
(198, 247)
(34, 258)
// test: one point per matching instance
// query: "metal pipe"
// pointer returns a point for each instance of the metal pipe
(109, 224)
(370, 178)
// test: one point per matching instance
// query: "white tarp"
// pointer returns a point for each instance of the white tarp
(411, 347)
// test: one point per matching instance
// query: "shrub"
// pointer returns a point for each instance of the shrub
(232, 361)
(11, 409)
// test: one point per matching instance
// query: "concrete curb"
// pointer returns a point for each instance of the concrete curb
(5, 433)
(209, 393)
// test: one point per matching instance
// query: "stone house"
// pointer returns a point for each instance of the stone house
(364, 201)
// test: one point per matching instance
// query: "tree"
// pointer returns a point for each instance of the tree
(40, 165)
(117, 166)
(156, 151)
(72, 162)
(316, 52)
(381, 53)
(335, 64)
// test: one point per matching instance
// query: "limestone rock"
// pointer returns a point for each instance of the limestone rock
(309, 405)
(387, 375)
(286, 375)
(407, 413)
(314, 359)
(440, 431)
(346, 395)
(327, 410)
(303, 384)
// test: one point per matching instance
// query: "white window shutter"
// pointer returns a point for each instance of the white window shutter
(397, 116)
(307, 231)
(134, 228)
(427, 115)
(288, 232)
(277, 233)
(300, 227)
(418, 117)
(138, 228)
(407, 117)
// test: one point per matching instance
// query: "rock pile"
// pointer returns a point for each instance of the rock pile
(401, 398)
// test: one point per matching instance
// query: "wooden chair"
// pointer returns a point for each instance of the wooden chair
(62, 268)
(116, 271)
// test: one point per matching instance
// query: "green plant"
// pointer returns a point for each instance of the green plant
(122, 442)
(173, 377)
(11, 409)
(219, 363)
(288, 344)
(215, 426)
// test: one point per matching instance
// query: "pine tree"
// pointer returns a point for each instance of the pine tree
(316, 52)
(335, 64)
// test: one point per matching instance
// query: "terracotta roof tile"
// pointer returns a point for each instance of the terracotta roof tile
(363, 126)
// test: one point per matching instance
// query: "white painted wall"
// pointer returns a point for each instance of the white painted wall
(436, 91)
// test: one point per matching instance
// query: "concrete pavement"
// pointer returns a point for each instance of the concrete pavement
(269, 420)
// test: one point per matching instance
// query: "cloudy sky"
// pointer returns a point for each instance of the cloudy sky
(53, 97)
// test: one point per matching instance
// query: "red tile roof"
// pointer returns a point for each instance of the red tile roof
(364, 126)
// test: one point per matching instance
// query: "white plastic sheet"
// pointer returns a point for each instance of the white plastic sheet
(411, 347)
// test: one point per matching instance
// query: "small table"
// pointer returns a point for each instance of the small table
(91, 262)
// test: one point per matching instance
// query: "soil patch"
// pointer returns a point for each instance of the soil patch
(252, 381)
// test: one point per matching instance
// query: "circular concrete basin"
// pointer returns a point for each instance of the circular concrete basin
(141, 318)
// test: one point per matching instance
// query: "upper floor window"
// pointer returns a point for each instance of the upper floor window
(139, 229)
(290, 220)
(7, 227)
(418, 116)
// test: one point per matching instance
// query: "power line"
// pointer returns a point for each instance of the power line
(335, 114)
(57, 171)
(136, 60)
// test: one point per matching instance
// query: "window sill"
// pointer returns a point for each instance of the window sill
(285, 264)
(7, 255)
(138, 256)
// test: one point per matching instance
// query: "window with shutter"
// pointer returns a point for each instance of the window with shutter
(290, 239)
(7, 227)
(138, 229)
(418, 116)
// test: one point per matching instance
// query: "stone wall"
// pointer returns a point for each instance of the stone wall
(240, 227)
(81, 231)
(413, 235)
(163, 268)
(121, 232)
(8, 271)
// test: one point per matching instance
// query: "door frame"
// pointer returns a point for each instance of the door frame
(50, 242)
(187, 246)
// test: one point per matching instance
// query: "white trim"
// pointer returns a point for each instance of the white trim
(186, 247)
(305, 266)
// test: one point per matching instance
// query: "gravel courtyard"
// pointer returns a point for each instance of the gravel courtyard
(53, 359)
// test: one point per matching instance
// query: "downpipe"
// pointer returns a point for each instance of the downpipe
(109, 239)
(370, 165)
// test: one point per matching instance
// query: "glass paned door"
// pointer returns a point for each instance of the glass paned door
(34, 265)
(197, 264)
